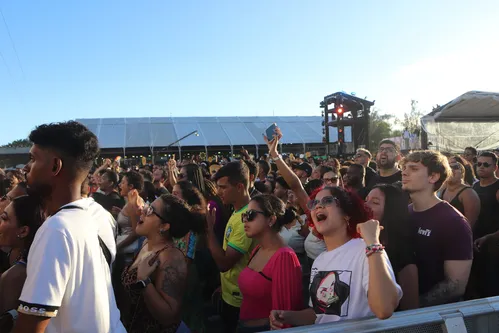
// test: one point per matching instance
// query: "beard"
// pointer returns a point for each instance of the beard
(387, 164)
(40, 191)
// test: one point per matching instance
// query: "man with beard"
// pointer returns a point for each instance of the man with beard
(387, 157)
(485, 270)
(443, 262)
(67, 266)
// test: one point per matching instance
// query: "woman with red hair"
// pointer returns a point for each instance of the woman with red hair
(353, 278)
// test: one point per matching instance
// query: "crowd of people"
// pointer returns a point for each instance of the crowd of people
(253, 244)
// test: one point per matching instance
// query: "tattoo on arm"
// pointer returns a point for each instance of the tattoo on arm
(444, 292)
(174, 279)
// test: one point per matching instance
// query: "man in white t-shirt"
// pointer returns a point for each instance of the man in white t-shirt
(68, 285)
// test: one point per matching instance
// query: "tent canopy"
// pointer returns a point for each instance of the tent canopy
(213, 131)
(474, 106)
(471, 119)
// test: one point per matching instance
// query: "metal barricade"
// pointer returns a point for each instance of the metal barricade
(477, 316)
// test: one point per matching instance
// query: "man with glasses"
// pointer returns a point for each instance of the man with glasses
(485, 272)
(363, 157)
(387, 158)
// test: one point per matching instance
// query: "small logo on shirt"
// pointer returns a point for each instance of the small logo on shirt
(229, 231)
(424, 232)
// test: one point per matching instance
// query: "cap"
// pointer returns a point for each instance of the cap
(305, 167)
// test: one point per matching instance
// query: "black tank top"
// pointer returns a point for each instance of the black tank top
(455, 202)
(488, 220)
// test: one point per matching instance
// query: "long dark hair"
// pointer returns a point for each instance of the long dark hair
(29, 214)
(469, 173)
(195, 176)
(181, 217)
(192, 196)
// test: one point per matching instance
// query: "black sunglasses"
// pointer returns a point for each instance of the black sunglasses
(324, 202)
(250, 215)
(485, 164)
(455, 166)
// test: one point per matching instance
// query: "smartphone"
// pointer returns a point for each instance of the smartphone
(270, 132)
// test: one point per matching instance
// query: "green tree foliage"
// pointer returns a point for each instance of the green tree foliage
(18, 144)
(380, 127)
(412, 119)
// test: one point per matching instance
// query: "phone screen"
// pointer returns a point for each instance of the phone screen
(270, 132)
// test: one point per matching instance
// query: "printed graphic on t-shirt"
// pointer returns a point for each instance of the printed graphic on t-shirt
(330, 292)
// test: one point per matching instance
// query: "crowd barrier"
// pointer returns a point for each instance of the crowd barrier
(477, 316)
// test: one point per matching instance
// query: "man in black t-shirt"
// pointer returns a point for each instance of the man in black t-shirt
(109, 198)
(363, 157)
(387, 158)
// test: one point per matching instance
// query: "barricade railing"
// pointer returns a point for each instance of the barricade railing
(477, 316)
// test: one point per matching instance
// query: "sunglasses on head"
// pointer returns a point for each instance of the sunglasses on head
(485, 164)
(250, 215)
(324, 202)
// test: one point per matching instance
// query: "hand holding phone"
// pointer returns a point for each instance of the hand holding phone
(270, 132)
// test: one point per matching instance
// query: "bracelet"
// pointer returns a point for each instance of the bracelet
(14, 314)
(279, 157)
(374, 248)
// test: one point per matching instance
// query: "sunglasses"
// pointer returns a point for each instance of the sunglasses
(485, 164)
(455, 166)
(150, 211)
(330, 180)
(324, 202)
(251, 215)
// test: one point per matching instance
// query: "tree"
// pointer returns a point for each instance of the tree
(22, 143)
(412, 120)
(380, 127)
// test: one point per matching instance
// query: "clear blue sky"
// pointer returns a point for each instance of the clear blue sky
(95, 58)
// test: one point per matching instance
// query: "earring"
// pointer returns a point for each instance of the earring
(162, 232)
(347, 219)
(19, 236)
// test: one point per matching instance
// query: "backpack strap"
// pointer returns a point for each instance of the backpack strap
(103, 246)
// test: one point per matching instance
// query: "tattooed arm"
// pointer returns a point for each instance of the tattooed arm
(452, 288)
(164, 298)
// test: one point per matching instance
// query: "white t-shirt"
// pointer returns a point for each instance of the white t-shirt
(339, 281)
(314, 245)
(292, 237)
(108, 227)
(68, 278)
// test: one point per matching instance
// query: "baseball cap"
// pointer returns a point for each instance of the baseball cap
(304, 166)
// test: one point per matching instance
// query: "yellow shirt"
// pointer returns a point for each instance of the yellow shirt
(236, 238)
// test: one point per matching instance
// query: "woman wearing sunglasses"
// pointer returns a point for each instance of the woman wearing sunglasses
(353, 278)
(273, 276)
(156, 280)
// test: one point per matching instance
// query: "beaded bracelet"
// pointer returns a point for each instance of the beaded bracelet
(374, 248)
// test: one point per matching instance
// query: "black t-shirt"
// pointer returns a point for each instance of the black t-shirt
(109, 201)
(370, 177)
(396, 177)
(488, 221)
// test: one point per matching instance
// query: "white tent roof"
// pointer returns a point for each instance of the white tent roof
(213, 131)
(471, 106)
(471, 119)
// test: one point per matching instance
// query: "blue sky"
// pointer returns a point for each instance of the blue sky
(95, 59)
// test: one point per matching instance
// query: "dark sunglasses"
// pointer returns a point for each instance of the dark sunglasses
(324, 202)
(250, 215)
(455, 166)
(485, 164)
(334, 179)
(150, 211)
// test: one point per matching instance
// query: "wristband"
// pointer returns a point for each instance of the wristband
(374, 248)
(279, 157)
(14, 314)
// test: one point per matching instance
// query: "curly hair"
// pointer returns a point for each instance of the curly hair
(180, 217)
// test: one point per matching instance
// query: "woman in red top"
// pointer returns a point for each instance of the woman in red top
(273, 276)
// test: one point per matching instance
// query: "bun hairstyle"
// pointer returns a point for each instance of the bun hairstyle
(273, 206)
(180, 217)
(352, 206)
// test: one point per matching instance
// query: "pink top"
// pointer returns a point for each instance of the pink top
(277, 287)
